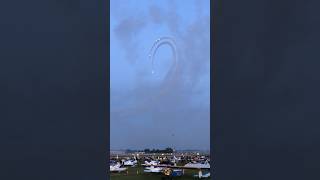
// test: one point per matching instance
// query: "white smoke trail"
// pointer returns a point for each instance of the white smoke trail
(169, 77)
(158, 43)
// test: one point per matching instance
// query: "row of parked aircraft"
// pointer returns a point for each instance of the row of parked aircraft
(154, 166)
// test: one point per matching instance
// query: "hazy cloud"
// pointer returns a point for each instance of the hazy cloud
(126, 31)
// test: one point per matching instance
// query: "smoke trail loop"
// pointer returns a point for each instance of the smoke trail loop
(153, 51)
(149, 101)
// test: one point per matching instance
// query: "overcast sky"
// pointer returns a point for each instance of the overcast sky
(154, 110)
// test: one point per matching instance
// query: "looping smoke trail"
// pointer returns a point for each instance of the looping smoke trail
(169, 78)
(158, 43)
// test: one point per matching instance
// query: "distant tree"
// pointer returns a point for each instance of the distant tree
(166, 150)
(169, 150)
(147, 150)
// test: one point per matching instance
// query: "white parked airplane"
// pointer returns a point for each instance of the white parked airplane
(116, 168)
(202, 176)
(130, 162)
(153, 169)
(151, 163)
(198, 165)
(174, 159)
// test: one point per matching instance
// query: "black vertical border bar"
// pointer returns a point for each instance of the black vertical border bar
(213, 9)
(107, 15)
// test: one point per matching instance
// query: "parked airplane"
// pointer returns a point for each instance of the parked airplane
(151, 163)
(117, 168)
(198, 165)
(202, 176)
(130, 162)
(153, 169)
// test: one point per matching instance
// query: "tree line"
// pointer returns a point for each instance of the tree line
(166, 150)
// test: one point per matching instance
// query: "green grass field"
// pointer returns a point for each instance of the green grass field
(136, 173)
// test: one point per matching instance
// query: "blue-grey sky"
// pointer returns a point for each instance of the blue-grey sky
(149, 110)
